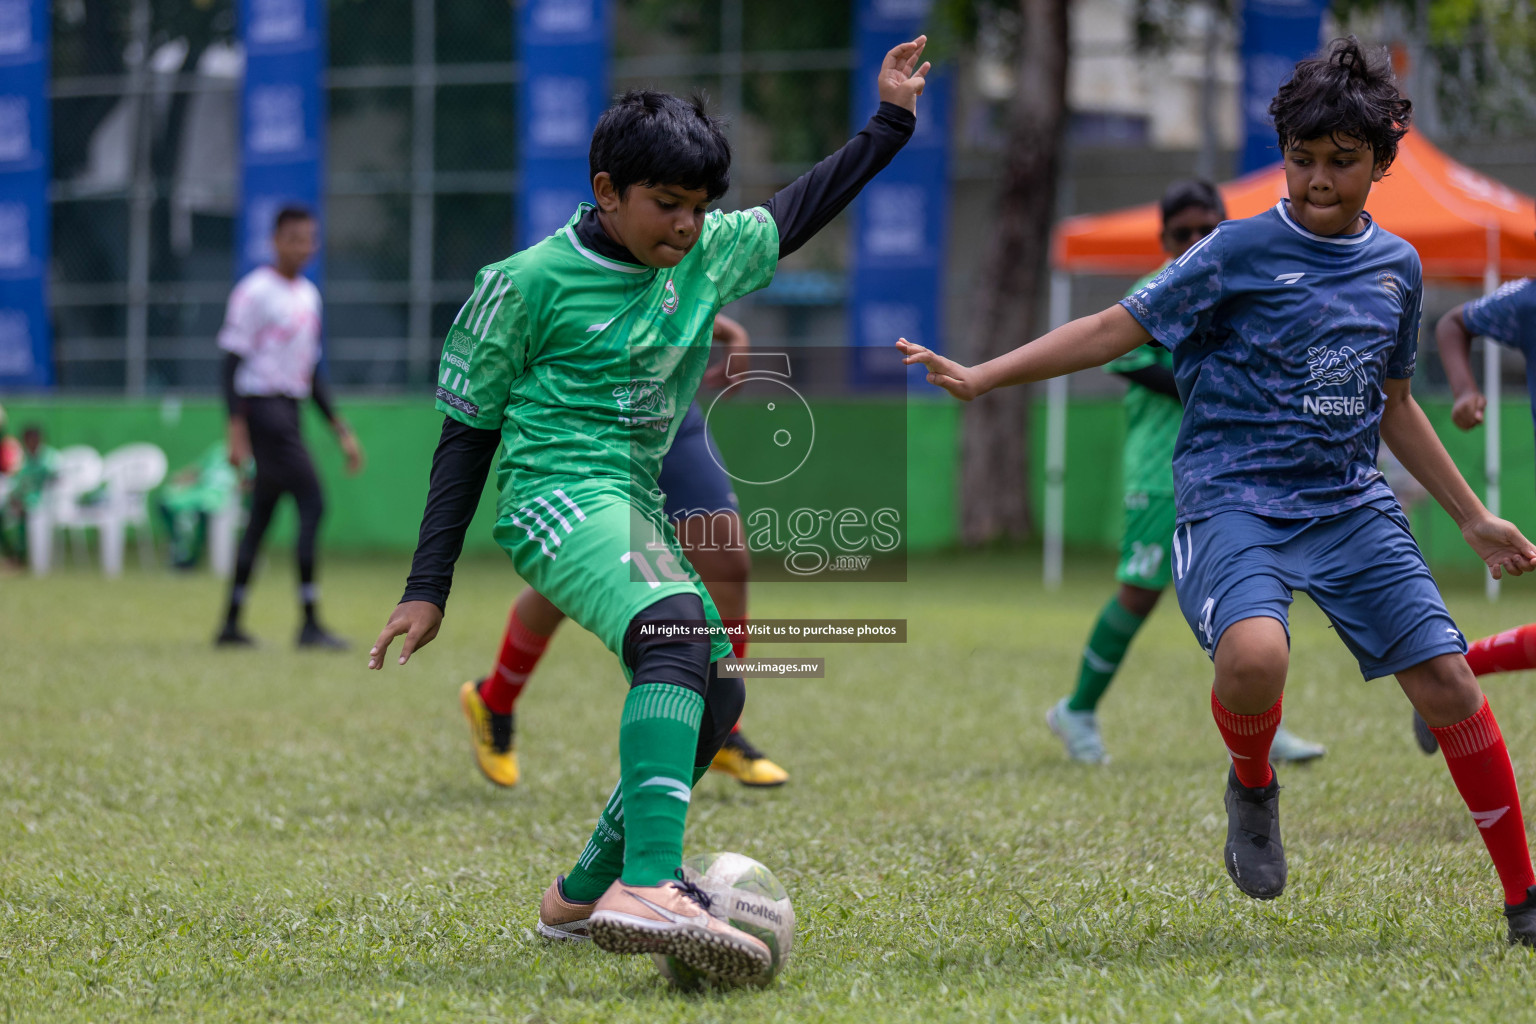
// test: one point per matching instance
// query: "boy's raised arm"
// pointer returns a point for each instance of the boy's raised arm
(1085, 342)
(805, 206)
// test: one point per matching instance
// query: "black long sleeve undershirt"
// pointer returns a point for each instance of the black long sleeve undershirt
(809, 203)
(459, 470)
(463, 457)
(233, 401)
(1153, 378)
(320, 391)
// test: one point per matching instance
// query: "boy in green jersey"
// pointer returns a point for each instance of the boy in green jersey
(580, 355)
(1190, 210)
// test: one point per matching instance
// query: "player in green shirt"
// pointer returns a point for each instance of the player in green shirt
(1190, 211)
(580, 356)
(193, 495)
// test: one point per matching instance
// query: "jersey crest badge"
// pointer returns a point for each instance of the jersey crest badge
(669, 299)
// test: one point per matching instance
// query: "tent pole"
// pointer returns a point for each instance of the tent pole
(1492, 387)
(1056, 442)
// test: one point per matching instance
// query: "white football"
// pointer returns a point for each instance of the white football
(746, 894)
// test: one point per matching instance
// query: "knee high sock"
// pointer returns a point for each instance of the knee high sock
(1107, 644)
(657, 735)
(1479, 763)
(1248, 738)
(603, 858)
(521, 649)
(1509, 651)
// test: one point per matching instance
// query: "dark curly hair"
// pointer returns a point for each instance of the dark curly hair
(654, 138)
(1346, 91)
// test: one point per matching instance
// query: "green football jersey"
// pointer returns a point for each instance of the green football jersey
(586, 365)
(1151, 420)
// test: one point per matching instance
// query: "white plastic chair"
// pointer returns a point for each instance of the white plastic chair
(79, 472)
(131, 472)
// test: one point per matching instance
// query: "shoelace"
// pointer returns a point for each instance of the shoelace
(692, 891)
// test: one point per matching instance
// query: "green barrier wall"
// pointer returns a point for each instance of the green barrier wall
(380, 509)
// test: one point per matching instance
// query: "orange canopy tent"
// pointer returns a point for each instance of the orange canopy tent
(1462, 223)
(1465, 226)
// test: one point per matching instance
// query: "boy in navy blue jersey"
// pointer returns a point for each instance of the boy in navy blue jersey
(1294, 335)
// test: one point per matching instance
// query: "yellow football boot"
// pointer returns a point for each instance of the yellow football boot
(493, 735)
(743, 762)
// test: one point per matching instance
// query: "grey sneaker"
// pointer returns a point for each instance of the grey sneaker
(1253, 855)
(1287, 746)
(1078, 732)
(1421, 735)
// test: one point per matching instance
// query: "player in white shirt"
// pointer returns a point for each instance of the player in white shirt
(271, 337)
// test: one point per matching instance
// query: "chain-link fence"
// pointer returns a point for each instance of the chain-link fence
(420, 166)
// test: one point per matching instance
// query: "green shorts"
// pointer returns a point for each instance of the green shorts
(601, 560)
(1149, 520)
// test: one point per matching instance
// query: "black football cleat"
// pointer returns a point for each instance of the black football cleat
(1253, 855)
(1421, 734)
(233, 636)
(316, 636)
(1522, 920)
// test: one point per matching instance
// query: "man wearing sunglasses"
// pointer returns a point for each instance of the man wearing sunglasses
(1190, 210)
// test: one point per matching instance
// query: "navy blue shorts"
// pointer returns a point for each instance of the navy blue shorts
(1362, 568)
(693, 475)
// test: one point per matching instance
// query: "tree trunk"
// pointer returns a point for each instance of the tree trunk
(994, 475)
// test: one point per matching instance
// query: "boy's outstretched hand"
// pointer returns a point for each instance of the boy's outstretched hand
(417, 621)
(1500, 545)
(898, 82)
(961, 381)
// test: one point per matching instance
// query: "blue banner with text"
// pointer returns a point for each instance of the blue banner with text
(282, 110)
(1276, 34)
(900, 222)
(26, 340)
(563, 48)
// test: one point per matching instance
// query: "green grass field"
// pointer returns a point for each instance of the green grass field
(200, 835)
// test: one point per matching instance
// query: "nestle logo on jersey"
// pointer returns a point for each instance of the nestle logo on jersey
(642, 403)
(1333, 405)
(461, 341)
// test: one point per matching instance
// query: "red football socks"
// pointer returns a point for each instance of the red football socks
(1509, 651)
(1248, 738)
(1479, 763)
(521, 649)
(738, 631)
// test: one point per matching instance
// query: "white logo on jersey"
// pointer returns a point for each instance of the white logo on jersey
(1290, 278)
(669, 301)
(642, 403)
(1331, 367)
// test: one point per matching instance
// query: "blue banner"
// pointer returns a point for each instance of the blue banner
(900, 222)
(562, 46)
(26, 341)
(282, 109)
(1276, 34)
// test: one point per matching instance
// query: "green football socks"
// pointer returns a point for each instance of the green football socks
(640, 832)
(1111, 635)
(603, 859)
